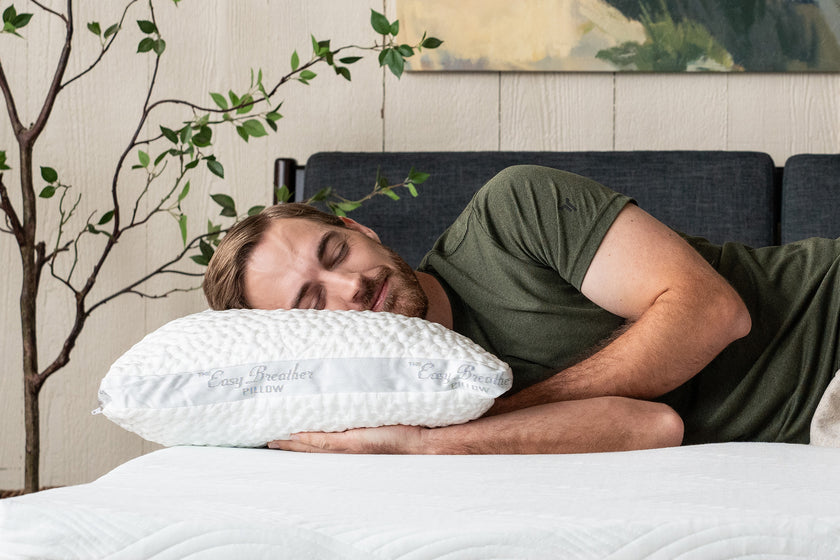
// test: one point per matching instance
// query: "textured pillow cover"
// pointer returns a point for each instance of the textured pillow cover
(247, 377)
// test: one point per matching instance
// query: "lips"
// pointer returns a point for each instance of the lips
(379, 296)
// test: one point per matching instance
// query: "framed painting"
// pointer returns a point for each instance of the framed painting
(626, 35)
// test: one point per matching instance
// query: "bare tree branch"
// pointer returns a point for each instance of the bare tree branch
(11, 216)
(29, 135)
(162, 269)
(46, 9)
(11, 108)
(103, 51)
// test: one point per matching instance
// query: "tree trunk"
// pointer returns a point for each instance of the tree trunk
(33, 438)
(28, 318)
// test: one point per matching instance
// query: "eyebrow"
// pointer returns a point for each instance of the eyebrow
(320, 252)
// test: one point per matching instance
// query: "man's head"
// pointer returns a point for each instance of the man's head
(294, 256)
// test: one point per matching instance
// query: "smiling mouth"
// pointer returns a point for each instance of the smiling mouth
(380, 296)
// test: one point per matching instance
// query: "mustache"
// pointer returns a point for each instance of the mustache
(370, 287)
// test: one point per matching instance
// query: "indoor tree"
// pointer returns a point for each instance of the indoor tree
(165, 160)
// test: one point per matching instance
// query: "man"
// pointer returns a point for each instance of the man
(610, 321)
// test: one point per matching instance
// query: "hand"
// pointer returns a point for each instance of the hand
(383, 440)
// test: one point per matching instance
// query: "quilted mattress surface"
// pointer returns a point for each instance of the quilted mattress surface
(738, 500)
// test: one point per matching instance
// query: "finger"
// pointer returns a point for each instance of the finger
(313, 442)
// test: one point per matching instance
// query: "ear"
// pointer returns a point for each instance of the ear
(356, 226)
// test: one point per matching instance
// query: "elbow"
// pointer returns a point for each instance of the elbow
(734, 316)
(669, 429)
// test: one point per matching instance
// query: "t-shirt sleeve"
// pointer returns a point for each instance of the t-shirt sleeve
(551, 217)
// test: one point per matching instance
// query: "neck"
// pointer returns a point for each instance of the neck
(439, 309)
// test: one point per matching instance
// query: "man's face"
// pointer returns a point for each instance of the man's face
(303, 264)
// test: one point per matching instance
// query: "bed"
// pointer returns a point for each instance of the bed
(735, 500)
(714, 501)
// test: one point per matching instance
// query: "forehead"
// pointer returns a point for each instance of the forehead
(285, 254)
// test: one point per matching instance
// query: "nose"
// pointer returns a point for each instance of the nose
(345, 290)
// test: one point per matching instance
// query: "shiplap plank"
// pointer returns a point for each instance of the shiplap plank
(784, 114)
(670, 111)
(554, 111)
(432, 111)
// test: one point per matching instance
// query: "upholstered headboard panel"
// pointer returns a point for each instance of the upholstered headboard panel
(724, 196)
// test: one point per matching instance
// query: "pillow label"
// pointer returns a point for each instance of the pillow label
(303, 377)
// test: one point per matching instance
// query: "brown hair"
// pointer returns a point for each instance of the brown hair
(224, 280)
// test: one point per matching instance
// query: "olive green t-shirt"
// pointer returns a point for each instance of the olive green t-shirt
(512, 265)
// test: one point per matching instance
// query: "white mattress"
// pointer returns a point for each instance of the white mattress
(734, 500)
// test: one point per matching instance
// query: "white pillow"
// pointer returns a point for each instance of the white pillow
(247, 377)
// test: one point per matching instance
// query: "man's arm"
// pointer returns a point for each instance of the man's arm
(681, 315)
(591, 425)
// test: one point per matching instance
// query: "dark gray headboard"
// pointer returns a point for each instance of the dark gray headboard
(724, 196)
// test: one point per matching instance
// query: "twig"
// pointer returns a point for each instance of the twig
(104, 49)
(162, 269)
(53, 12)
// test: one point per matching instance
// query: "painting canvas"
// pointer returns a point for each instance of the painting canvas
(626, 35)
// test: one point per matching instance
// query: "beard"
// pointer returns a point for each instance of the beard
(405, 296)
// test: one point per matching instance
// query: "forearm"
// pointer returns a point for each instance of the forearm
(670, 343)
(592, 425)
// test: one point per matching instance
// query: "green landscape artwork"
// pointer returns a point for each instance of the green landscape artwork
(625, 35)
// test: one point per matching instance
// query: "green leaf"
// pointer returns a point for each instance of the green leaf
(225, 201)
(416, 177)
(282, 194)
(47, 192)
(182, 224)
(391, 194)
(380, 23)
(234, 99)
(217, 169)
(111, 30)
(185, 134)
(21, 20)
(170, 134)
(184, 192)
(147, 27)
(394, 60)
(146, 45)
(412, 189)
(348, 206)
(205, 248)
(200, 259)
(144, 158)
(3, 166)
(9, 28)
(240, 130)
(254, 128)
(106, 217)
(254, 210)
(343, 71)
(307, 74)
(321, 195)
(160, 157)
(191, 165)
(395, 27)
(203, 138)
(431, 43)
(247, 103)
(405, 50)
(273, 116)
(9, 14)
(295, 61)
(49, 174)
(159, 46)
(94, 28)
(220, 100)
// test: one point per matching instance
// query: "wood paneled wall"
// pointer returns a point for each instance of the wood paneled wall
(211, 46)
